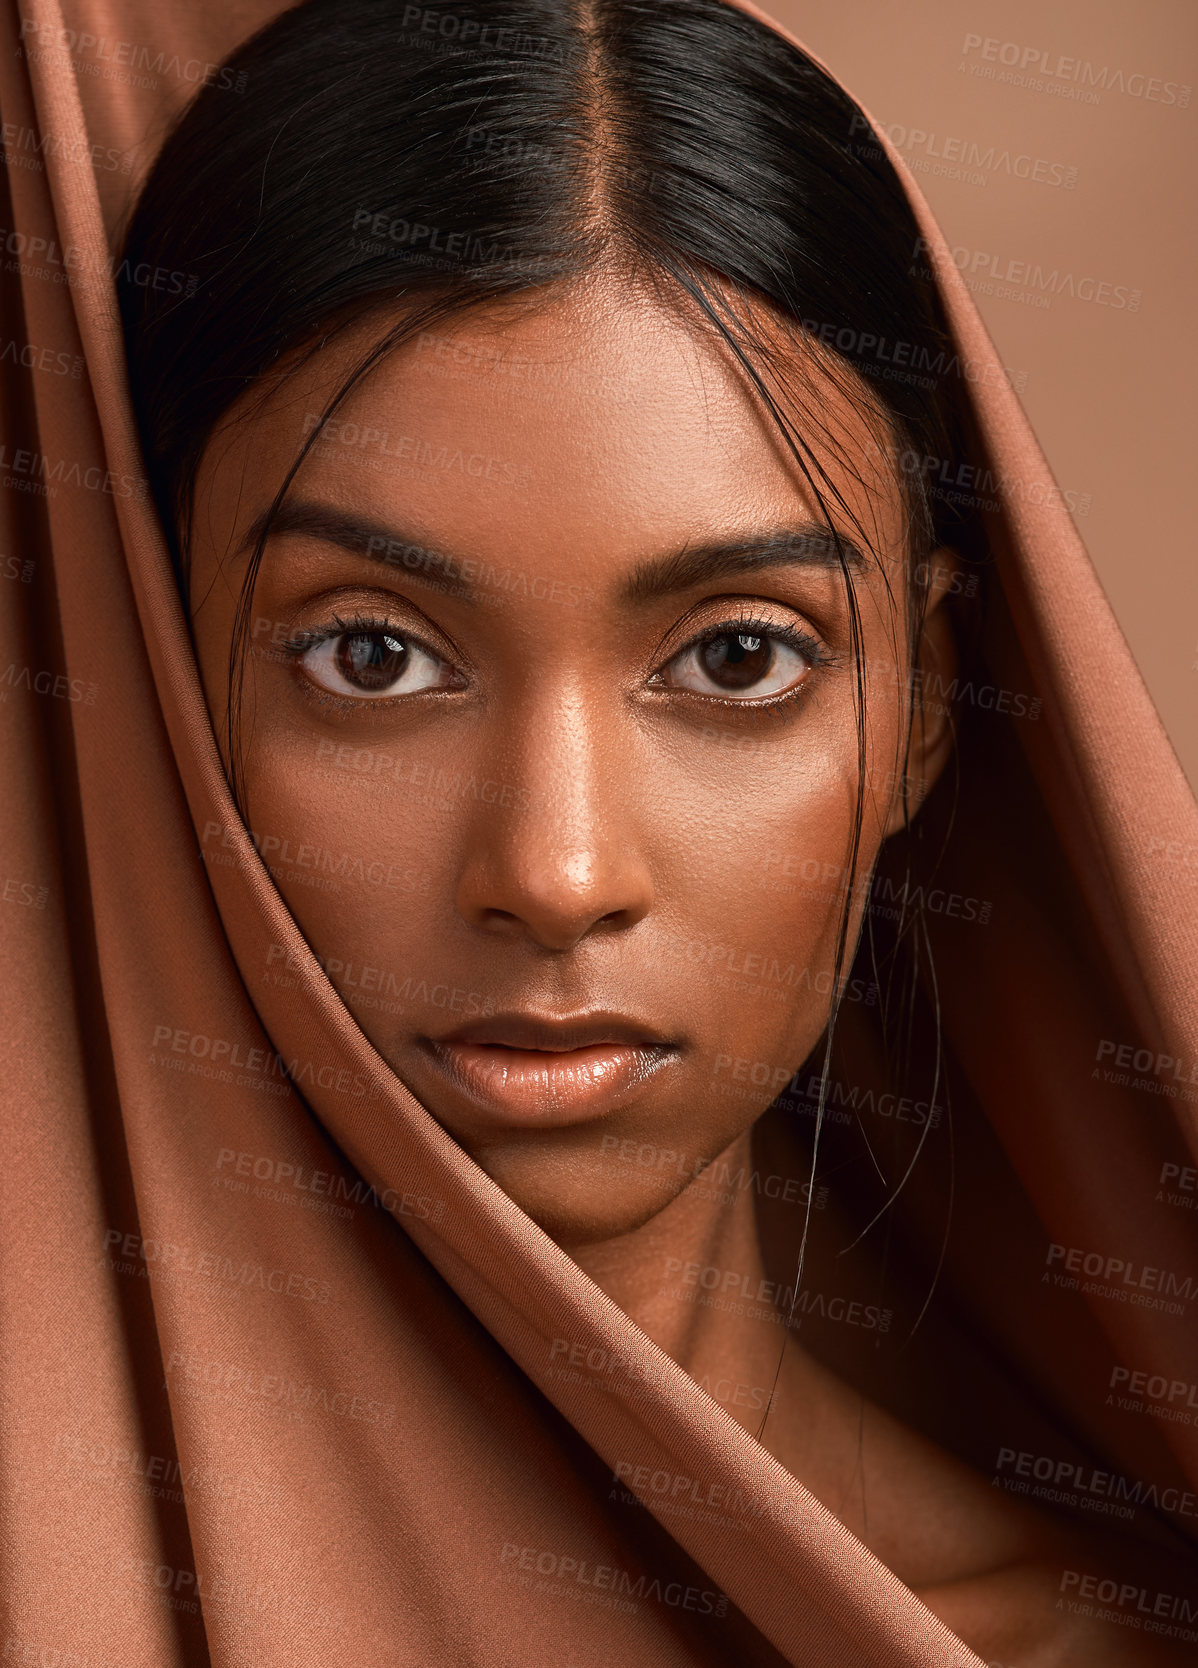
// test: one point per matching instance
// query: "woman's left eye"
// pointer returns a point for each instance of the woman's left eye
(750, 662)
(369, 664)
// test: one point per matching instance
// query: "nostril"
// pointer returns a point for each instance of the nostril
(556, 898)
(500, 918)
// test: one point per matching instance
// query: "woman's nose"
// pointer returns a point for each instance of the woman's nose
(570, 862)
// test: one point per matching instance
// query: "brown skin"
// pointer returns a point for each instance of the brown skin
(639, 818)
(625, 806)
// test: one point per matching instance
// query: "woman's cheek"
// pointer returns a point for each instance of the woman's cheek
(362, 867)
(749, 910)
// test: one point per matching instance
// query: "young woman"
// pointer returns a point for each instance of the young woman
(630, 1172)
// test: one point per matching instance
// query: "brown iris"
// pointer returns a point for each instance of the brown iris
(736, 660)
(371, 660)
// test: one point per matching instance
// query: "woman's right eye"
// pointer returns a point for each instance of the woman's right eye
(374, 663)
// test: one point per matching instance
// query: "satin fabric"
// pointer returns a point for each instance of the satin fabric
(287, 1379)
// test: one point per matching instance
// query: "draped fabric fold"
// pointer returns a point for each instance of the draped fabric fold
(287, 1377)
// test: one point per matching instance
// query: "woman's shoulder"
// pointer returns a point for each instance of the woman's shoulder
(1019, 1587)
(1059, 1612)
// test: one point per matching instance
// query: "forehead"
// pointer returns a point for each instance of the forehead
(587, 418)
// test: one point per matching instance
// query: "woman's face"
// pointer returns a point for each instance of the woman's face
(549, 732)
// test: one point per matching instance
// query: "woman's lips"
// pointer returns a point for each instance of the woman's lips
(551, 1083)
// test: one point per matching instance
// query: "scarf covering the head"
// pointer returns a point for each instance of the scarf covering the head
(286, 1378)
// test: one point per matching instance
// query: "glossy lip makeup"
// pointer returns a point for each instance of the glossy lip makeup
(548, 1071)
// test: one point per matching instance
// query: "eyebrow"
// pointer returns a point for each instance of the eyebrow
(371, 539)
(806, 544)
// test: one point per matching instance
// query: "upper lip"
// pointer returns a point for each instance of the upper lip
(554, 1034)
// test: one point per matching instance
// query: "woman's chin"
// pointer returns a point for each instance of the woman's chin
(574, 1195)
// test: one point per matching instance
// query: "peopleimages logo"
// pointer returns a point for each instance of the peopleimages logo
(48, 474)
(429, 26)
(1177, 1394)
(230, 1380)
(1036, 280)
(38, 255)
(1127, 1595)
(1038, 62)
(560, 1567)
(56, 684)
(278, 853)
(1121, 1278)
(126, 61)
(24, 147)
(1100, 1490)
(221, 1057)
(1124, 1065)
(410, 448)
(961, 155)
(53, 361)
(455, 246)
(278, 1173)
(166, 1256)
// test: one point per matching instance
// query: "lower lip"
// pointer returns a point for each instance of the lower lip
(530, 1086)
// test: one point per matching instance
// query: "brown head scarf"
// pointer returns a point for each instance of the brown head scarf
(287, 1379)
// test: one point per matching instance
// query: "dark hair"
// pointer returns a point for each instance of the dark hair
(389, 152)
(385, 150)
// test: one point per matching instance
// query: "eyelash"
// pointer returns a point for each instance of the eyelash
(757, 625)
(746, 623)
(338, 627)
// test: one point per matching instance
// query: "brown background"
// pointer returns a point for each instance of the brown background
(1111, 393)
